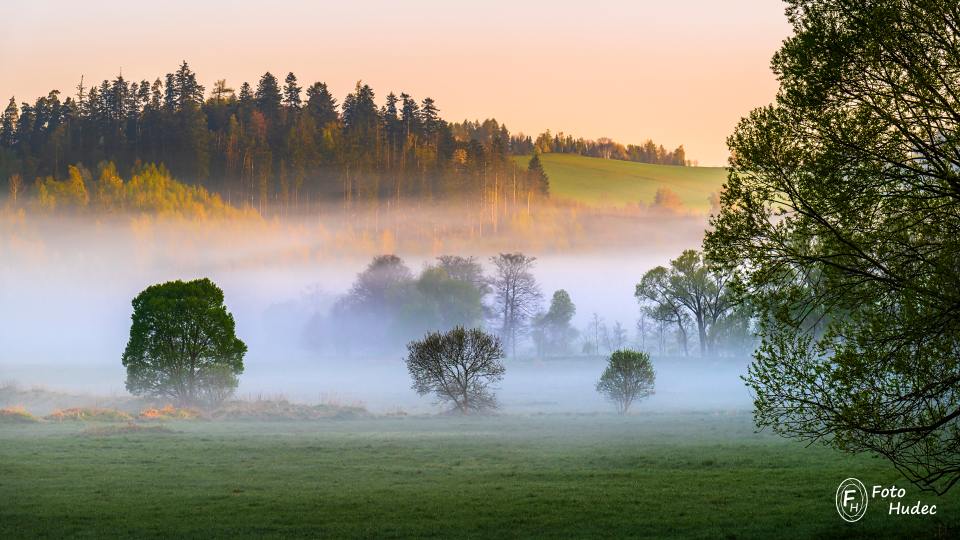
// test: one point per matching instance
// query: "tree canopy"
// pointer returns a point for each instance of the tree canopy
(629, 376)
(183, 344)
(841, 215)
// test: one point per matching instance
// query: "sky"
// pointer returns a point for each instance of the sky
(678, 72)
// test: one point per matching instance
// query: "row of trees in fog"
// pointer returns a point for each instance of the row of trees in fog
(605, 148)
(276, 142)
(183, 347)
(388, 305)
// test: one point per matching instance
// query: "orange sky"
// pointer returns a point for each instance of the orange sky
(682, 71)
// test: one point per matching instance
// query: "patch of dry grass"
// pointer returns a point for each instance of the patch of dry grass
(169, 412)
(283, 410)
(88, 414)
(16, 415)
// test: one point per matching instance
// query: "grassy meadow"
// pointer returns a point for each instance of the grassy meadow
(552, 476)
(596, 181)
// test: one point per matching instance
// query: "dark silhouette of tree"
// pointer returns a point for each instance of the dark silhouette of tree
(267, 96)
(291, 92)
(321, 105)
(537, 176)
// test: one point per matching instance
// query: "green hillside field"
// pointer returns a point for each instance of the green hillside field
(602, 182)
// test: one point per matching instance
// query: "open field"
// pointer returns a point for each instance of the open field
(598, 181)
(703, 475)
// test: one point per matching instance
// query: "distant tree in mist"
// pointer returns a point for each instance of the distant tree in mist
(516, 296)
(628, 377)
(691, 288)
(593, 334)
(459, 367)
(440, 302)
(387, 305)
(183, 344)
(465, 269)
(375, 283)
(552, 329)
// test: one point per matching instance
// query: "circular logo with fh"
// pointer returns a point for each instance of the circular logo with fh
(851, 499)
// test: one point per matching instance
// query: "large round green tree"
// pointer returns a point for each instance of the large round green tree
(183, 344)
(842, 215)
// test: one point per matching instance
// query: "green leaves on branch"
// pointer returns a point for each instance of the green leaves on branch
(182, 344)
(841, 215)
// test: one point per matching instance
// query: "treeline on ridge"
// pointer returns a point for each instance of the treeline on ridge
(275, 144)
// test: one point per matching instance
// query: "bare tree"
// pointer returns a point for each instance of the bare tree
(516, 295)
(16, 184)
(618, 336)
(458, 367)
(629, 376)
(593, 331)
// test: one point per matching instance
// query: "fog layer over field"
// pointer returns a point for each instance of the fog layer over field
(66, 286)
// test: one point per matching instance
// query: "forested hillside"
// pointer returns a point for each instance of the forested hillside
(278, 144)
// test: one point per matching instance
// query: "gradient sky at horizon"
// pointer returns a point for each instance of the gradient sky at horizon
(680, 72)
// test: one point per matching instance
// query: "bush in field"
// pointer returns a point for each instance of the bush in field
(629, 376)
(182, 344)
(458, 367)
(88, 414)
(16, 415)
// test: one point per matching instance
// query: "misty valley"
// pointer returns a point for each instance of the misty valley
(277, 271)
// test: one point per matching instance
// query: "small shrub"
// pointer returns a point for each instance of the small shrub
(88, 414)
(169, 412)
(629, 377)
(17, 415)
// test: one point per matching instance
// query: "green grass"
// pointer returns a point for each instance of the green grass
(656, 476)
(596, 181)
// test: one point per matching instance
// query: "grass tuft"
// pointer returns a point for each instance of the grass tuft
(88, 414)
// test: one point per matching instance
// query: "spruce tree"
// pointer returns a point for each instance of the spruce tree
(8, 127)
(268, 96)
(321, 105)
(539, 181)
(291, 92)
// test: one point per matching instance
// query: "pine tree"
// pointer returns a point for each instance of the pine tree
(8, 127)
(187, 90)
(430, 119)
(539, 181)
(291, 92)
(268, 96)
(321, 105)
(410, 115)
